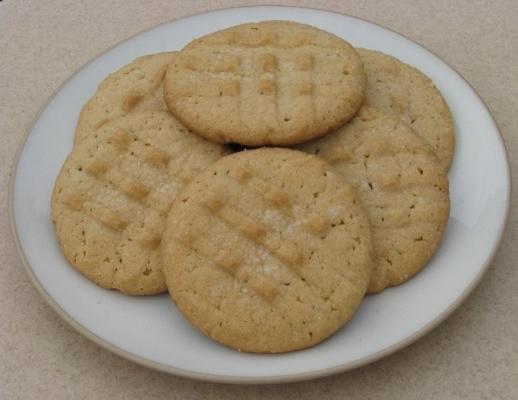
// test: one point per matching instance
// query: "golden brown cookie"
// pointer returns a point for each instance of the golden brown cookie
(135, 87)
(396, 87)
(400, 183)
(267, 251)
(113, 193)
(267, 83)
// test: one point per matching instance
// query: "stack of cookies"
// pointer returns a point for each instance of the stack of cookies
(263, 248)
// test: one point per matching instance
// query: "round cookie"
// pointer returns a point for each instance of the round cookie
(267, 262)
(267, 83)
(113, 193)
(135, 87)
(401, 185)
(396, 87)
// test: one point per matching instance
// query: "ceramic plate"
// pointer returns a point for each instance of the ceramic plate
(150, 330)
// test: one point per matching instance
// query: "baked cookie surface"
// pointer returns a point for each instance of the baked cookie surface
(396, 87)
(113, 193)
(267, 262)
(267, 83)
(135, 87)
(401, 185)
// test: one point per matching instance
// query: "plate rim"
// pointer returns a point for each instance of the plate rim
(208, 377)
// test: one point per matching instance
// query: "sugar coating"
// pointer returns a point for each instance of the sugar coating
(247, 281)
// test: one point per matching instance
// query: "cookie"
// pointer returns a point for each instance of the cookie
(396, 87)
(113, 193)
(135, 87)
(267, 262)
(400, 183)
(267, 83)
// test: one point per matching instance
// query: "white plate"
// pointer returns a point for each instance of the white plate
(150, 331)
